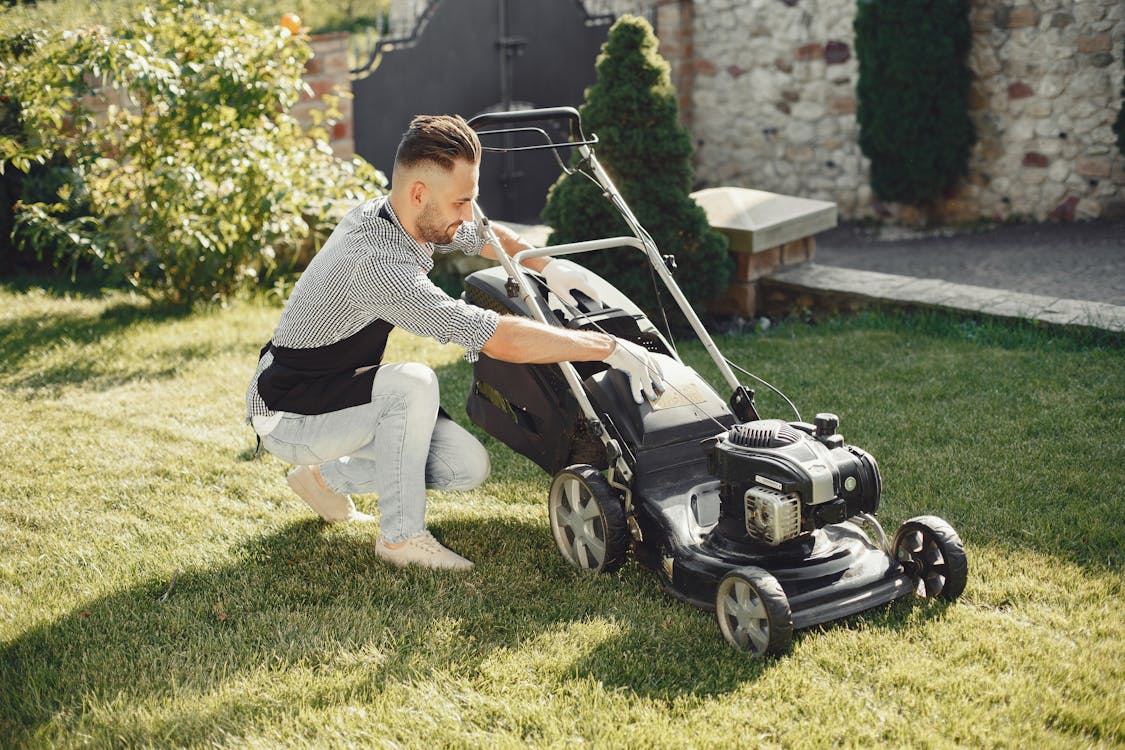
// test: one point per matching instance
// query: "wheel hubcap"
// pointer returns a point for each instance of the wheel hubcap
(746, 616)
(580, 520)
(919, 550)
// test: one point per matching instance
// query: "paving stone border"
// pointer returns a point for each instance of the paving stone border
(816, 287)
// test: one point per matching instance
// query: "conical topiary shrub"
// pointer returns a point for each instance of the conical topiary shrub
(633, 110)
(913, 93)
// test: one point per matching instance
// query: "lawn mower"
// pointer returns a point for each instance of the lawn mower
(770, 523)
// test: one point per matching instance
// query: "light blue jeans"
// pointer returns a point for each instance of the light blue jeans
(395, 446)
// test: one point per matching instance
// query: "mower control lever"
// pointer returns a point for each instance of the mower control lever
(742, 403)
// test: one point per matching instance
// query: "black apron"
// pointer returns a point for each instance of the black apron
(323, 379)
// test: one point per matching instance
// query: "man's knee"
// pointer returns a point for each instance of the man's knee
(460, 462)
(477, 468)
(413, 380)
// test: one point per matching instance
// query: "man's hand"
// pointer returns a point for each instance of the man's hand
(562, 277)
(642, 367)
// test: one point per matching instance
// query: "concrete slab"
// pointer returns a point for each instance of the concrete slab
(831, 282)
(1065, 312)
(756, 220)
(815, 277)
(927, 291)
(1102, 315)
(973, 298)
(937, 292)
(1018, 305)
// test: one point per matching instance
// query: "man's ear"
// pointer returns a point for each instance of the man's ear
(418, 191)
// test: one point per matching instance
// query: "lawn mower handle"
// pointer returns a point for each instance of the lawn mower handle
(531, 115)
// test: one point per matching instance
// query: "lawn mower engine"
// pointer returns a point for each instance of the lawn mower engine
(780, 481)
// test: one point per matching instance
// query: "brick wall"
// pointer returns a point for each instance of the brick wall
(327, 73)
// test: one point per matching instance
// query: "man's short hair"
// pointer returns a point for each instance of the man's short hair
(440, 139)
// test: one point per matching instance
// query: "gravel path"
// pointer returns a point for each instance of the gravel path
(1081, 260)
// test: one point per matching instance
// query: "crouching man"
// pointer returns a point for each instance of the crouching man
(323, 399)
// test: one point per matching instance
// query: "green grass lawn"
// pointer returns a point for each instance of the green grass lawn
(126, 468)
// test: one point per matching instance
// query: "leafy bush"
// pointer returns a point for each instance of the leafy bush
(318, 16)
(633, 110)
(913, 96)
(176, 125)
(42, 181)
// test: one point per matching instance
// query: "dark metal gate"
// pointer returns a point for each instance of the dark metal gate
(470, 56)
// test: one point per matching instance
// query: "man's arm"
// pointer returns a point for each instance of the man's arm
(524, 340)
(512, 244)
(562, 278)
(518, 339)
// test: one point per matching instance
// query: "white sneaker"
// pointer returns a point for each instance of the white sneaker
(331, 506)
(422, 549)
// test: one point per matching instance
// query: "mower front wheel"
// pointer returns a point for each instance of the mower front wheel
(588, 520)
(930, 551)
(754, 612)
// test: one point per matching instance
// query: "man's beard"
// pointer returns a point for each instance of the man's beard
(432, 230)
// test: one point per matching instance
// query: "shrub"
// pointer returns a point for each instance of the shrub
(42, 181)
(913, 96)
(194, 173)
(319, 16)
(633, 110)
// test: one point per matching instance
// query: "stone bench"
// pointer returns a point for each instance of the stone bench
(766, 231)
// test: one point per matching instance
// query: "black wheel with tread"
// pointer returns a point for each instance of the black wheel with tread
(588, 520)
(754, 612)
(932, 553)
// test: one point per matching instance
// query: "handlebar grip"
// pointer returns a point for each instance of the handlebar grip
(531, 115)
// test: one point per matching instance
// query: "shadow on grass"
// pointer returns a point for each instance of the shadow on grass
(22, 336)
(309, 599)
(59, 285)
(25, 337)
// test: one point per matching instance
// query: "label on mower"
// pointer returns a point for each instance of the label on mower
(687, 396)
(767, 482)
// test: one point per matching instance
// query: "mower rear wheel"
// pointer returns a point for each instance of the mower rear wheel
(588, 520)
(933, 555)
(753, 612)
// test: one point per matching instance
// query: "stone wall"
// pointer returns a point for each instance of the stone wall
(1047, 91)
(767, 88)
(774, 99)
(773, 106)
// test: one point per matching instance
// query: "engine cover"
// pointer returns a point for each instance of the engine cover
(780, 480)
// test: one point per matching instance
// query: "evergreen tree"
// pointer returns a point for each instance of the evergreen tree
(633, 110)
(913, 96)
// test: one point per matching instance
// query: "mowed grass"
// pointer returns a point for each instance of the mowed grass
(160, 587)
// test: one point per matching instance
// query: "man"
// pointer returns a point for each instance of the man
(323, 399)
